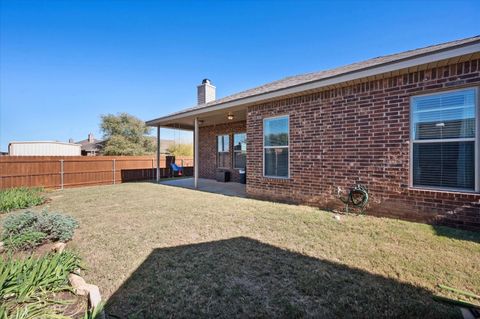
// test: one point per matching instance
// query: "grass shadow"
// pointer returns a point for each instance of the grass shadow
(456, 233)
(242, 277)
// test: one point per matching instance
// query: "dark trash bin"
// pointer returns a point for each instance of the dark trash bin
(223, 176)
(243, 176)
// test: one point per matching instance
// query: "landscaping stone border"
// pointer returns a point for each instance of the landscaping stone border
(81, 287)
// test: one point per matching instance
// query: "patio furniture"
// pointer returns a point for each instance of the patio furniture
(176, 169)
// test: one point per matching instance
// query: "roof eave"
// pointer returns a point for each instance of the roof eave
(443, 54)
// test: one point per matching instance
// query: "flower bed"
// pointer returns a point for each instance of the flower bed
(38, 277)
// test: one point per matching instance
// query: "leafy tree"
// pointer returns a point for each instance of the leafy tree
(126, 134)
(180, 150)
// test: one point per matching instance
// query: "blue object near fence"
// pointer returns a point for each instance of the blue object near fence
(176, 168)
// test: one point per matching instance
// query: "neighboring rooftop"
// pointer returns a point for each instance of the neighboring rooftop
(300, 80)
(91, 144)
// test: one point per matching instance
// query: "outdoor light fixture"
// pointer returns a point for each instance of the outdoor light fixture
(230, 116)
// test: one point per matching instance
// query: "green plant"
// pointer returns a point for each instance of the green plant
(20, 197)
(27, 285)
(30, 229)
(25, 240)
(43, 307)
(57, 226)
(20, 223)
(94, 313)
(22, 279)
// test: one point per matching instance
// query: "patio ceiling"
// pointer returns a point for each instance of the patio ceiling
(205, 119)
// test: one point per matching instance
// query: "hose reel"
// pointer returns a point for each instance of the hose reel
(357, 197)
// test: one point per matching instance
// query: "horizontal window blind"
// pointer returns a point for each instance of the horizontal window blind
(444, 139)
(446, 115)
(449, 164)
(276, 162)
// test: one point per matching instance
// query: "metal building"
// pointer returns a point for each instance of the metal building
(43, 148)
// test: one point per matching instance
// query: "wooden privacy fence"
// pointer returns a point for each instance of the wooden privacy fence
(71, 171)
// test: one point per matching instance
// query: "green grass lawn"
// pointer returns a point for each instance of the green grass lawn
(159, 251)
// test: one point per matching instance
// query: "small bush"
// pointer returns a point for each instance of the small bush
(20, 197)
(23, 230)
(57, 226)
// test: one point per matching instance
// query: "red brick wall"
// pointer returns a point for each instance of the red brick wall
(208, 148)
(360, 133)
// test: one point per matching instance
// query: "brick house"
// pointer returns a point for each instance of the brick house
(91, 146)
(406, 125)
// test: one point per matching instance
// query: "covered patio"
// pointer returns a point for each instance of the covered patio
(208, 185)
(219, 142)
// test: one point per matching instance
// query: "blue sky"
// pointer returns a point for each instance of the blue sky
(64, 63)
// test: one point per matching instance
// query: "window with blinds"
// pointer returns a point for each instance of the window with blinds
(444, 139)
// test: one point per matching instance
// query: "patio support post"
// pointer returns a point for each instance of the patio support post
(195, 154)
(158, 154)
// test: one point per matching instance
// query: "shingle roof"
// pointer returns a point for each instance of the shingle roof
(315, 76)
(96, 145)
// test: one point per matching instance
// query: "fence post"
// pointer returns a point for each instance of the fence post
(61, 173)
(113, 171)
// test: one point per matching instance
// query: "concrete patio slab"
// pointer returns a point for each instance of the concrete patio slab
(209, 185)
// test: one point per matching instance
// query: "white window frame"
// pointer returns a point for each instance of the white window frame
(476, 139)
(218, 152)
(287, 147)
(238, 151)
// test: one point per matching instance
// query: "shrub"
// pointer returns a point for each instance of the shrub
(56, 226)
(23, 230)
(20, 197)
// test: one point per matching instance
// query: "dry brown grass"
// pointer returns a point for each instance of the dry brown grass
(160, 251)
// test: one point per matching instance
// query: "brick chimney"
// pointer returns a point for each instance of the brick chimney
(90, 138)
(205, 92)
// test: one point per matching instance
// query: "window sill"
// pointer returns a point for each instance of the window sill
(449, 191)
(277, 179)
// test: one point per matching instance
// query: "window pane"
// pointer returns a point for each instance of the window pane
(222, 159)
(276, 131)
(446, 115)
(239, 142)
(240, 159)
(449, 164)
(276, 162)
(219, 143)
(223, 142)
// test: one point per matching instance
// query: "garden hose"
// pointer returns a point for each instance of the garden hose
(357, 197)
